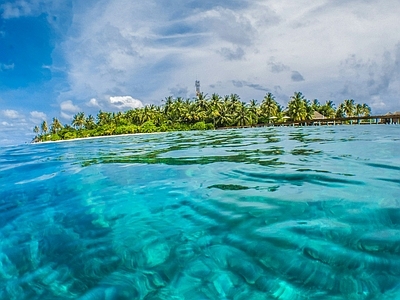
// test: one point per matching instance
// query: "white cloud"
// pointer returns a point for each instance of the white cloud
(68, 109)
(230, 54)
(6, 124)
(296, 76)
(15, 9)
(277, 67)
(38, 115)
(93, 103)
(378, 104)
(151, 49)
(23, 8)
(146, 52)
(227, 24)
(10, 113)
(69, 106)
(375, 81)
(112, 103)
(5, 67)
(66, 116)
(125, 102)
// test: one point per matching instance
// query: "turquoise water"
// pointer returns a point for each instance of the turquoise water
(268, 213)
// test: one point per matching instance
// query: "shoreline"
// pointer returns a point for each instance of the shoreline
(100, 137)
(306, 123)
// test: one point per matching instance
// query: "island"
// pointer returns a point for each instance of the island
(202, 113)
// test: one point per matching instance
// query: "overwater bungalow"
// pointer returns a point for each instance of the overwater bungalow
(391, 118)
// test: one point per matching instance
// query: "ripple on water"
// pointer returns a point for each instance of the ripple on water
(265, 213)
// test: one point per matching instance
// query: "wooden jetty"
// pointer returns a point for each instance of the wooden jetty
(378, 119)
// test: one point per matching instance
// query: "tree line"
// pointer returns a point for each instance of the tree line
(200, 113)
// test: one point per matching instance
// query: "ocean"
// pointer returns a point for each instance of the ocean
(256, 213)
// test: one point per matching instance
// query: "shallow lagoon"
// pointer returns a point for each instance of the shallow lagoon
(267, 213)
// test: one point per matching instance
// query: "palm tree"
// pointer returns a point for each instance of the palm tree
(168, 103)
(55, 126)
(103, 118)
(234, 101)
(36, 130)
(330, 104)
(188, 111)
(226, 100)
(309, 109)
(340, 113)
(224, 117)
(328, 109)
(254, 111)
(202, 102)
(242, 117)
(215, 107)
(192, 112)
(358, 110)
(79, 120)
(90, 122)
(147, 113)
(298, 108)
(176, 110)
(118, 118)
(269, 107)
(349, 107)
(316, 105)
(158, 116)
(366, 109)
(44, 127)
(139, 117)
(215, 101)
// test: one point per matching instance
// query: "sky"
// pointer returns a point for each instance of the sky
(58, 58)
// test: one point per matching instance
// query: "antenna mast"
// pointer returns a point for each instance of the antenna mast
(197, 85)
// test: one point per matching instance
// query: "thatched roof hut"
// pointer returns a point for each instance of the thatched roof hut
(317, 115)
(392, 117)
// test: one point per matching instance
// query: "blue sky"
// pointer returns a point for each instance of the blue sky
(61, 57)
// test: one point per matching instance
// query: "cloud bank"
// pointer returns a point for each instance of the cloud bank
(100, 51)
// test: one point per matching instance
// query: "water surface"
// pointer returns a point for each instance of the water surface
(267, 213)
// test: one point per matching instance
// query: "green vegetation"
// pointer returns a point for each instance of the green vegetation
(201, 113)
